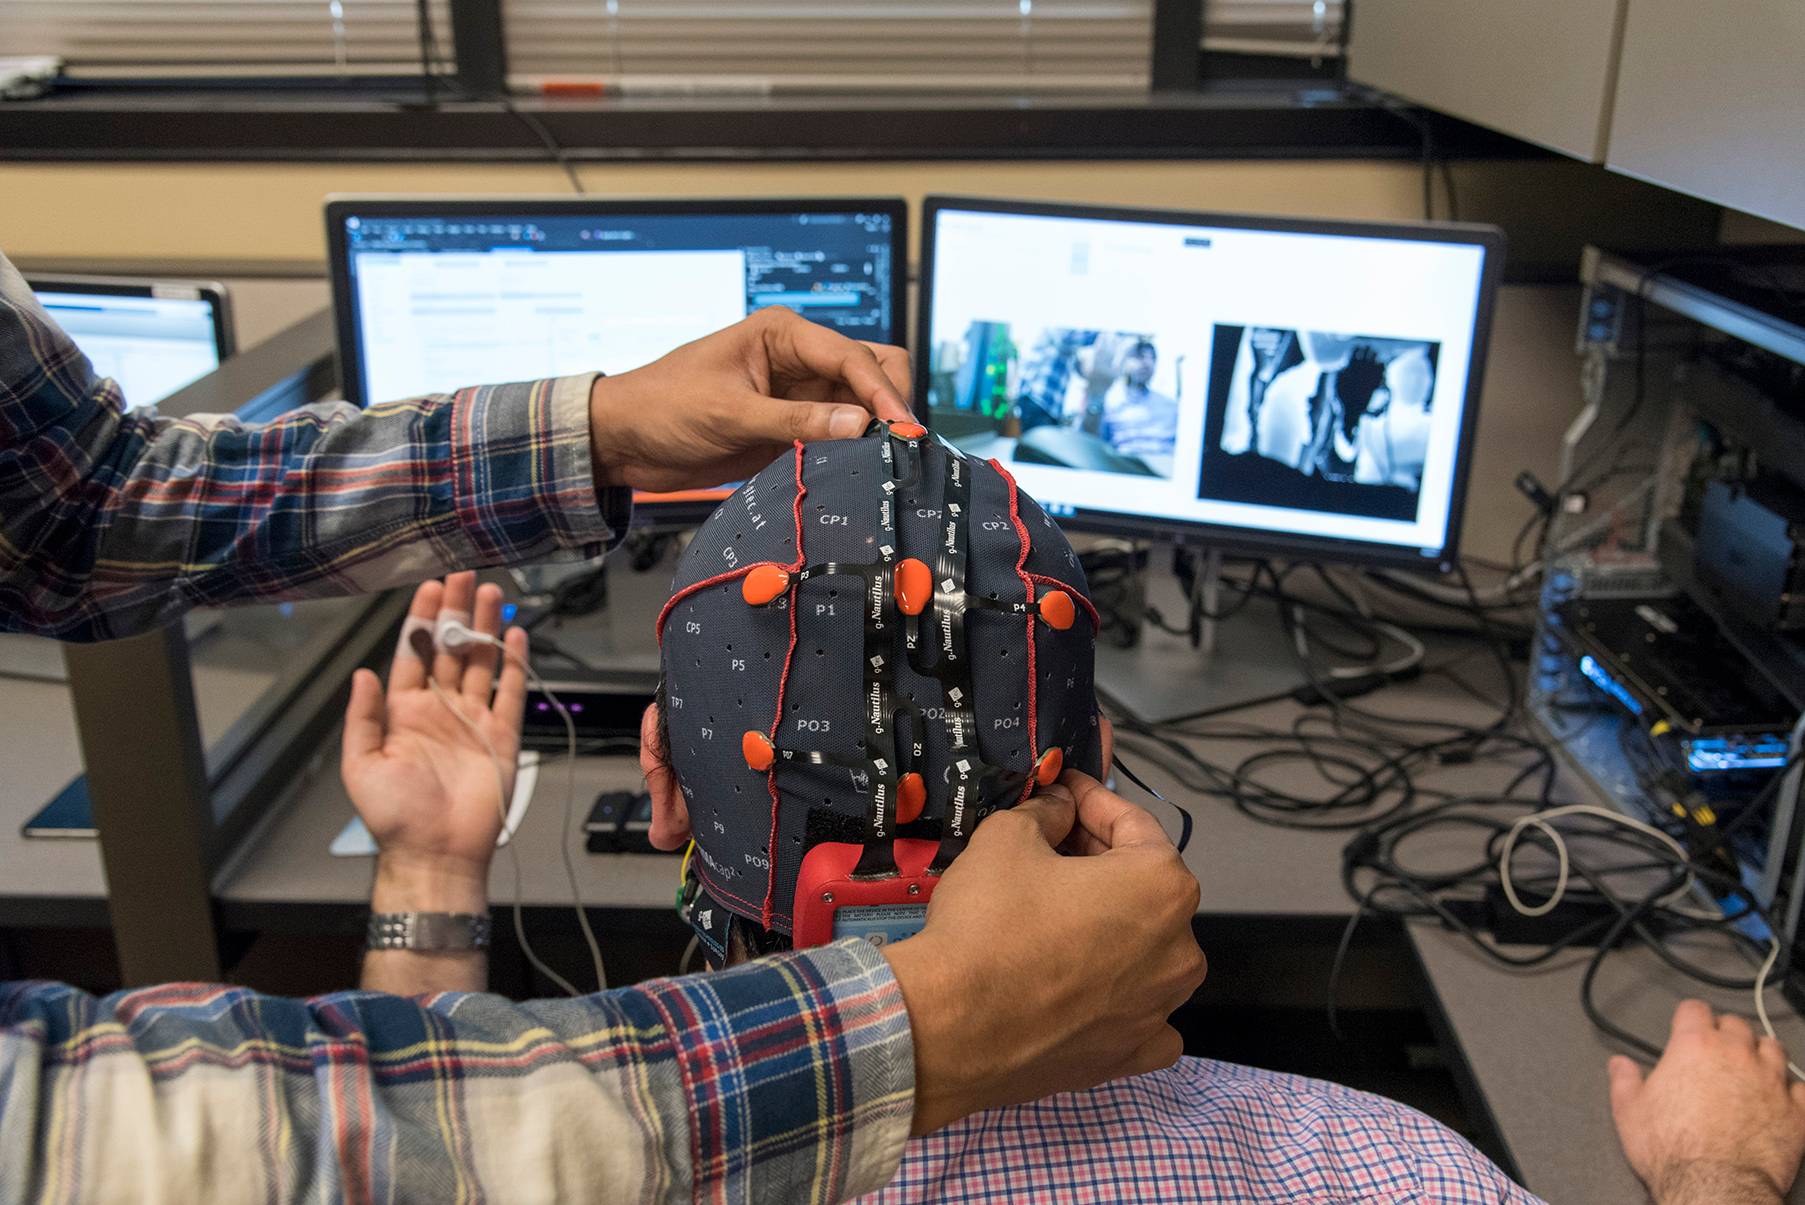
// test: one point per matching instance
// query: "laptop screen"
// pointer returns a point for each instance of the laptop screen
(151, 345)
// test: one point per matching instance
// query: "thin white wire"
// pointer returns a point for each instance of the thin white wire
(570, 795)
(1767, 1026)
(1793, 742)
(1539, 821)
(1415, 650)
(501, 785)
(564, 829)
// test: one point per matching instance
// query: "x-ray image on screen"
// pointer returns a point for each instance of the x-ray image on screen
(1323, 420)
(1102, 401)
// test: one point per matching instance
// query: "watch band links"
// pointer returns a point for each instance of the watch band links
(428, 932)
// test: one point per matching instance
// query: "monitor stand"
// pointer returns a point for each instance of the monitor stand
(1244, 657)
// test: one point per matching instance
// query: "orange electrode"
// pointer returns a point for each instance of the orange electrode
(911, 797)
(1057, 609)
(760, 752)
(914, 586)
(764, 584)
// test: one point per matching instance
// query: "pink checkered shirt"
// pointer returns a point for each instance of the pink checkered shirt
(1202, 1131)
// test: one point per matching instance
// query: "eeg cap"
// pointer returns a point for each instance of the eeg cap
(872, 639)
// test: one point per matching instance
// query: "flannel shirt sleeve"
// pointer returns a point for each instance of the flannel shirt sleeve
(113, 522)
(788, 1079)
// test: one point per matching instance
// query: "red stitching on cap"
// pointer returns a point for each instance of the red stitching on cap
(716, 889)
(783, 682)
(684, 593)
(1021, 571)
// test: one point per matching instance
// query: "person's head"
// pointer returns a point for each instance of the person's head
(871, 646)
(1328, 350)
(1139, 365)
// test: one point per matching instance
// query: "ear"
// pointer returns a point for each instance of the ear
(670, 814)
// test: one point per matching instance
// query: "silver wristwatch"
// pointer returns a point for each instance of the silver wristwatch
(430, 932)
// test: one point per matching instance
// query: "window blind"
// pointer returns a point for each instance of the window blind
(1300, 28)
(223, 38)
(859, 45)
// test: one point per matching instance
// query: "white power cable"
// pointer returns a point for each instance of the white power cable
(452, 636)
(1767, 1026)
(1539, 821)
(1414, 649)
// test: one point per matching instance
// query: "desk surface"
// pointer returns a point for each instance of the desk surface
(234, 663)
(1540, 1063)
(1246, 868)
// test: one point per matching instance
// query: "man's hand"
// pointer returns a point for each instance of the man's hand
(1037, 972)
(426, 783)
(1717, 1121)
(1355, 386)
(1102, 361)
(725, 406)
(1040, 973)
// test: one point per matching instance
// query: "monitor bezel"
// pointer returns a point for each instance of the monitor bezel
(215, 294)
(1243, 541)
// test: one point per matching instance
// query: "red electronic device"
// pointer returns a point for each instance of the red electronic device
(832, 902)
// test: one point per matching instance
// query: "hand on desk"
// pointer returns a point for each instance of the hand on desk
(723, 407)
(426, 784)
(1719, 1121)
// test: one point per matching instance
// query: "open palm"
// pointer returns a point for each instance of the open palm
(424, 780)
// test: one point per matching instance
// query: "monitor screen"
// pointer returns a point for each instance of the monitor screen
(435, 296)
(152, 340)
(1264, 384)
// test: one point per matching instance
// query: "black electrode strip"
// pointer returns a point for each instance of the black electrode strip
(884, 713)
(879, 761)
(902, 462)
(879, 858)
(882, 759)
(951, 666)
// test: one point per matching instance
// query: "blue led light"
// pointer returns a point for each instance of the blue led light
(1596, 674)
(1708, 755)
(508, 611)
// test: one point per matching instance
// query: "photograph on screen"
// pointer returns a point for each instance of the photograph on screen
(1060, 396)
(1318, 420)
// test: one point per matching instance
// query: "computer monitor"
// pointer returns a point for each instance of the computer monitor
(435, 294)
(151, 336)
(1260, 385)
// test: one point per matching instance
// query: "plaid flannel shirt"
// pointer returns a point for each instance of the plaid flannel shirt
(789, 1079)
(792, 1080)
(113, 522)
(1202, 1132)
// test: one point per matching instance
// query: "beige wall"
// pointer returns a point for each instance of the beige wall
(253, 223)
(268, 214)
